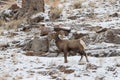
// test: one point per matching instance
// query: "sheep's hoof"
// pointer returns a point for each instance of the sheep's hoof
(65, 61)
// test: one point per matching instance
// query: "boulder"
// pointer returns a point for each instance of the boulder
(45, 31)
(4, 46)
(79, 35)
(66, 30)
(14, 7)
(107, 35)
(36, 18)
(72, 17)
(101, 30)
(38, 45)
(110, 36)
(114, 15)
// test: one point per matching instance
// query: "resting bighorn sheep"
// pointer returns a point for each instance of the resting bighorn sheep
(66, 46)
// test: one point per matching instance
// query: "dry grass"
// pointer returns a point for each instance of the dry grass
(1, 30)
(77, 4)
(52, 3)
(92, 4)
(14, 58)
(14, 23)
(55, 13)
(7, 4)
(2, 22)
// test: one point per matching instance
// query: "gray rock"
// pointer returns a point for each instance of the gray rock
(38, 45)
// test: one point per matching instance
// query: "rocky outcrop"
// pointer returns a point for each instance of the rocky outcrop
(6, 15)
(114, 15)
(4, 46)
(45, 31)
(66, 30)
(14, 7)
(79, 35)
(113, 36)
(103, 35)
(38, 45)
(36, 18)
(109, 36)
(29, 7)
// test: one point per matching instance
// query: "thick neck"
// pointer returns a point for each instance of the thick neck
(57, 39)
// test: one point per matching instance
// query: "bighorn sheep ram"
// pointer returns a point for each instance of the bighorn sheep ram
(66, 46)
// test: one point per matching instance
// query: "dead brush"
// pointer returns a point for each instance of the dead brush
(14, 23)
(92, 4)
(2, 22)
(52, 3)
(55, 13)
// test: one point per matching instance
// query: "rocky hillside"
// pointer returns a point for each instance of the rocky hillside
(28, 53)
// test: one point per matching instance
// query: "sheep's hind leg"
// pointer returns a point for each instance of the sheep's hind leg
(85, 56)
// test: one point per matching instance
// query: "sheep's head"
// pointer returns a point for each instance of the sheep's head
(55, 35)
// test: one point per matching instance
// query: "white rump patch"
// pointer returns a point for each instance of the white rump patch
(83, 43)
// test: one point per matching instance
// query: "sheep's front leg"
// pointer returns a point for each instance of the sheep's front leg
(86, 56)
(81, 58)
(84, 53)
(65, 57)
(58, 52)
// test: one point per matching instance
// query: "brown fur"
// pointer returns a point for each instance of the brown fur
(66, 46)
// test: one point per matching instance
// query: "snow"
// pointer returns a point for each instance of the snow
(15, 65)
(101, 45)
(38, 14)
(26, 65)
